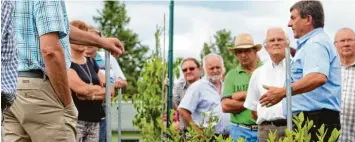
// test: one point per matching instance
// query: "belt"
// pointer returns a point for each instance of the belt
(280, 122)
(32, 74)
(250, 127)
(319, 115)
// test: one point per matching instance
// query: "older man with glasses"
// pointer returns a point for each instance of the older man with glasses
(272, 72)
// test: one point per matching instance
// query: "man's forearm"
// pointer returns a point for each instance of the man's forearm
(57, 73)
(254, 114)
(186, 117)
(80, 37)
(309, 83)
(232, 106)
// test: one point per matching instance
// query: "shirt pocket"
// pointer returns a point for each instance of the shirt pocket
(296, 70)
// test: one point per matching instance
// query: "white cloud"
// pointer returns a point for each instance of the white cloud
(195, 25)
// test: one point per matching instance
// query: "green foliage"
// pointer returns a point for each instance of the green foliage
(176, 65)
(301, 134)
(172, 135)
(148, 101)
(113, 21)
(222, 41)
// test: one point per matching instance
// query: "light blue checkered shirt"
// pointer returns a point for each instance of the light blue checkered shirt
(33, 19)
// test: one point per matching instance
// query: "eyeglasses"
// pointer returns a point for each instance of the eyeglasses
(273, 40)
(240, 51)
(345, 40)
(190, 69)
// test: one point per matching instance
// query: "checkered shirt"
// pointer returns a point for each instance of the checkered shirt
(347, 117)
(8, 53)
(179, 91)
(33, 19)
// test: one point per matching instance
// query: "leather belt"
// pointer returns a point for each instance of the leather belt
(250, 127)
(32, 74)
(280, 122)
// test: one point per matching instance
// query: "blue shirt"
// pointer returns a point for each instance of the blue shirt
(316, 53)
(100, 61)
(203, 97)
(33, 19)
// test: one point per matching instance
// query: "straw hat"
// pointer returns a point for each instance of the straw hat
(244, 41)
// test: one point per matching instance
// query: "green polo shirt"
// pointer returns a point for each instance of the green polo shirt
(238, 80)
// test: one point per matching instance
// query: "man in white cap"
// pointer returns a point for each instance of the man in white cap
(236, 86)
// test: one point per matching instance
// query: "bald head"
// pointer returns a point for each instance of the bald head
(345, 42)
(213, 66)
(275, 31)
(275, 43)
(348, 31)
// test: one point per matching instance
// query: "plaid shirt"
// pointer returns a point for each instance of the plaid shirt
(8, 54)
(179, 91)
(33, 19)
(347, 117)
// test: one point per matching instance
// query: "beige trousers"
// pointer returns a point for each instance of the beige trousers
(38, 114)
(264, 130)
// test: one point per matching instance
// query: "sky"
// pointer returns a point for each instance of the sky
(195, 22)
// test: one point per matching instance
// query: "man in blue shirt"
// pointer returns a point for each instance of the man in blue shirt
(203, 96)
(315, 71)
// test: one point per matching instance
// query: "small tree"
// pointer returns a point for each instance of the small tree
(222, 40)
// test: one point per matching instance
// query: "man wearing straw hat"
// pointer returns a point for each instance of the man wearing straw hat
(272, 72)
(315, 71)
(235, 88)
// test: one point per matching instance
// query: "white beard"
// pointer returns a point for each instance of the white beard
(214, 78)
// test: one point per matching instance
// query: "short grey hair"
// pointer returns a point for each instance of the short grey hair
(286, 36)
(313, 8)
(209, 56)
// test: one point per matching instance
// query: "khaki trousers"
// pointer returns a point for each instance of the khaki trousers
(38, 114)
(265, 129)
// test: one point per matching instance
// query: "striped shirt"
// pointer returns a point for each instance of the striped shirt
(8, 54)
(347, 117)
(33, 19)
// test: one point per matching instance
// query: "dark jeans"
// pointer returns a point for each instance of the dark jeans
(330, 119)
(102, 137)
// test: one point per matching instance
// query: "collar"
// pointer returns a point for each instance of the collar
(185, 85)
(282, 63)
(239, 68)
(351, 65)
(98, 57)
(211, 84)
(307, 36)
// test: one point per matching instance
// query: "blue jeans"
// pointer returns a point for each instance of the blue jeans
(238, 132)
(102, 137)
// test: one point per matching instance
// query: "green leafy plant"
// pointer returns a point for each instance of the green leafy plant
(301, 133)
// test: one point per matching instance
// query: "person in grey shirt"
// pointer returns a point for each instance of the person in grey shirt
(203, 96)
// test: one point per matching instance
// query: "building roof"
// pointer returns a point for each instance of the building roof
(127, 116)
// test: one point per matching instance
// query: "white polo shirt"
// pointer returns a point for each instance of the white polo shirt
(269, 74)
